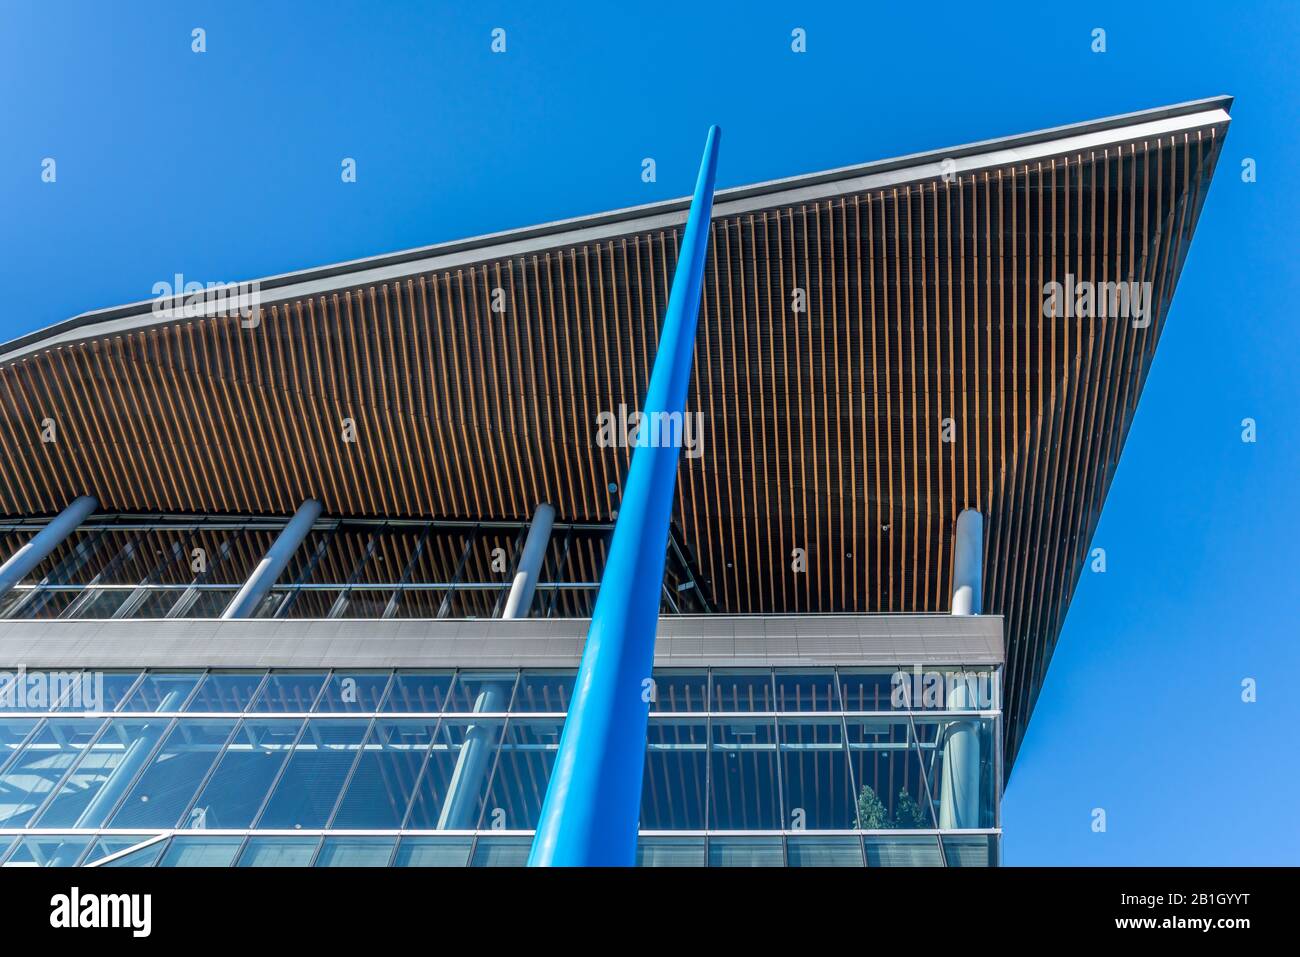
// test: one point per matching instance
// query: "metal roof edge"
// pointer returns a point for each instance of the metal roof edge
(661, 213)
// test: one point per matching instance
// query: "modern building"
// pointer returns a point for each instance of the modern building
(304, 576)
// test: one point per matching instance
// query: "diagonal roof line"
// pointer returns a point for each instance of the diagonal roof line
(667, 213)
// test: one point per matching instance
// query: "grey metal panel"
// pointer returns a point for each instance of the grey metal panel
(786, 640)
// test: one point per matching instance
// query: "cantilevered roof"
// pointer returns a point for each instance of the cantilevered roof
(921, 377)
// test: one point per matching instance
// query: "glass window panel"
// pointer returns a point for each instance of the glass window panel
(670, 852)
(39, 691)
(163, 792)
(888, 774)
(806, 691)
(289, 691)
(355, 852)
(476, 691)
(501, 851)
(163, 691)
(38, 768)
(419, 692)
(106, 769)
(109, 845)
(823, 852)
(433, 806)
(245, 772)
(209, 603)
(278, 852)
(189, 851)
(544, 691)
(681, 691)
(104, 691)
(969, 851)
(746, 852)
(523, 768)
(353, 691)
(58, 850)
(903, 851)
(742, 691)
(228, 691)
(13, 732)
(433, 852)
(380, 789)
(676, 766)
(743, 787)
(866, 689)
(309, 788)
(962, 750)
(815, 775)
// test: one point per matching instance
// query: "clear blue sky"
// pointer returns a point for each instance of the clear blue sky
(225, 166)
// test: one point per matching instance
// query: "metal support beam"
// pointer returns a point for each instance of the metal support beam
(23, 561)
(959, 793)
(593, 801)
(530, 563)
(481, 740)
(967, 564)
(277, 556)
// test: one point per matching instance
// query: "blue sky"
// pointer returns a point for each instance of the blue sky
(225, 166)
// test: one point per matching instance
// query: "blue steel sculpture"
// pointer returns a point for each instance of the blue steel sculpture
(593, 802)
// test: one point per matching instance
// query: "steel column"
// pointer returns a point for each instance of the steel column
(277, 556)
(530, 563)
(959, 792)
(21, 562)
(593, 801)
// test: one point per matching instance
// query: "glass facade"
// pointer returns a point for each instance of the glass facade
(744, 767)
(151, 567)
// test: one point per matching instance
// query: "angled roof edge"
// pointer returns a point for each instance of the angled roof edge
(663, 214)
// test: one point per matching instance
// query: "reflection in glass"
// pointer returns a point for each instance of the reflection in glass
(245, 772)
(808, 690)
(523, 768)
(163, 691)
(353, 691)
(547, 691)
(903, 851)
(308, 789)
(225, 691)
(823, 852)
(278, 852)
(433, 852)
(163, 792)
(194, 851)
(419, 692)
(742, 691)
(670, 852)
(380, 789)
(58, 850)
(37, 769)
(743, 789)
(815, 774)
(745, 852)
(681, 691)
(501, 851)
(289, 691)
(355, 852)
(437, 806)
(676, 766)
(889, 774)
(106, 769)
(479, 691)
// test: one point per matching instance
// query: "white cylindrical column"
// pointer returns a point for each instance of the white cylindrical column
(21, 562)
(277, 556)
(520, 599)
(967, 564)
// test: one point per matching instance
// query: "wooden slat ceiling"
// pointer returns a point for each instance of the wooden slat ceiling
(823, 430)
